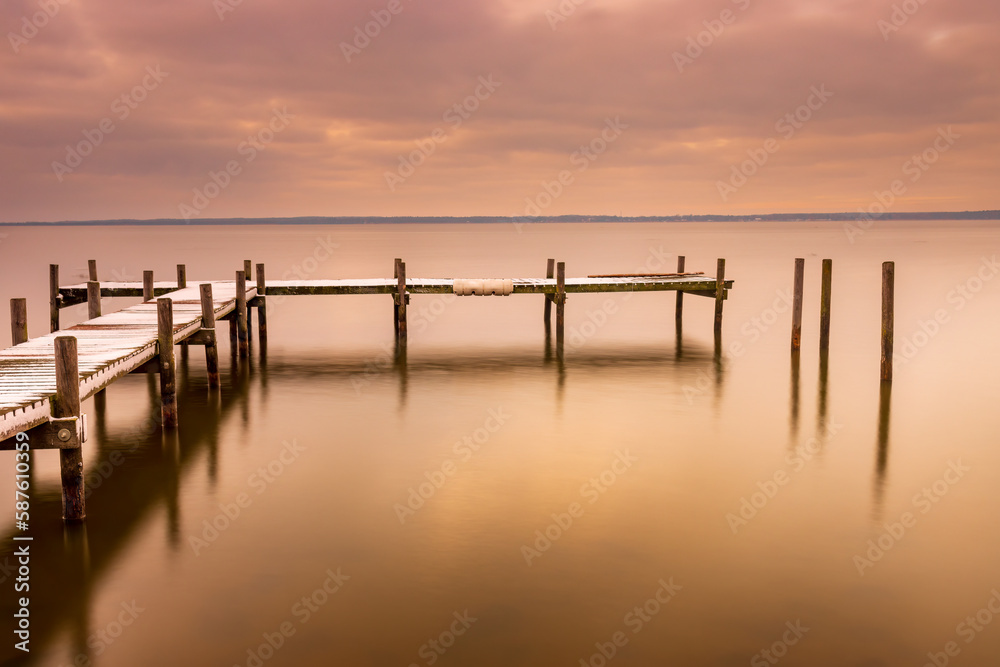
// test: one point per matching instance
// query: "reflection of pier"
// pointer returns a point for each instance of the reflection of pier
(136, 470)
(42, 381)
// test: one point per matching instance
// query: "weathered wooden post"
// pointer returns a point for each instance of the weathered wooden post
(208, 325)
(888, 289)
(395, 304)
(147, 285)
(261, 305)
(720, 294)
(165, 347)
(241, 315)
(826, 292)
(248, 272)
(679, 305)
(93, 299)
(401, 302)
(560, 299)
(18, 321)
(54, 297)
(797, 290)
(182, 280)
(66, 407)
(92, 269)
(550, 267)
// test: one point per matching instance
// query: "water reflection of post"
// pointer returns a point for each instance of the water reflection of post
(795, 391)
(824, 374)
(172, 459)
(403, 369)
(76, 550)
(882, 459)
(560, 385)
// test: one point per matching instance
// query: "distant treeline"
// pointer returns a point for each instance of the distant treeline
(373, 220)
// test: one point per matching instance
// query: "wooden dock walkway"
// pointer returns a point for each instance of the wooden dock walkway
(43, 380)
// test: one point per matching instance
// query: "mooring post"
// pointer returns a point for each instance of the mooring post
(560, 299)
(182, 280)
(888, 289)
(92, 269)
(395, 301)
(401, 301)
(147, 285)
(550, 268)
(797, 290)
(18, 321)
(261, 306)
(679, 306)
(824, 305)
(165, 344)
(67, 406)
(208, 324)
(54, 297)
(93, 299)
(720, 294)
(248, 272)
(241, 314)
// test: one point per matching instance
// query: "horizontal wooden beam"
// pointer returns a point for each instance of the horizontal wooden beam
(69, 433)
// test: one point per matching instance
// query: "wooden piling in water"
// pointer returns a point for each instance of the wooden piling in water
(242, 337)
(248, 272)
(401, 302)
(888, 300)
(395, 308)
(261, 305)
(66, 406)
(208, 325)
(182, 280)
(18, 321)
(797, 290)
(53, 297)
(720, 294)
(560, 299)
(165, 348)
(550, 267)
(92, 269)
(147, 285)
(679, 305)
(826, 292)
(93, 299)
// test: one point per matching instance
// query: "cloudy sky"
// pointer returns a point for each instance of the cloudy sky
(217, 108)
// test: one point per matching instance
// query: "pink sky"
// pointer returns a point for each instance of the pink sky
(332, 115)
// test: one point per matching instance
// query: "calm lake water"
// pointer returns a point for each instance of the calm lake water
(642, 503)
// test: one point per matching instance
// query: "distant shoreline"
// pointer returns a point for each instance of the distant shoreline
(377, 220)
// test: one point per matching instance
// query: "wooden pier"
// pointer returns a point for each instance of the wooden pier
(43, 380)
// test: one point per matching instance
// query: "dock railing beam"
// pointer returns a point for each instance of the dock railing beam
(243, 340)
(53, 297)
(18, 321)
(208, 326)
(888, 300)
(798, 285)
(66, 406)
(165, 347)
